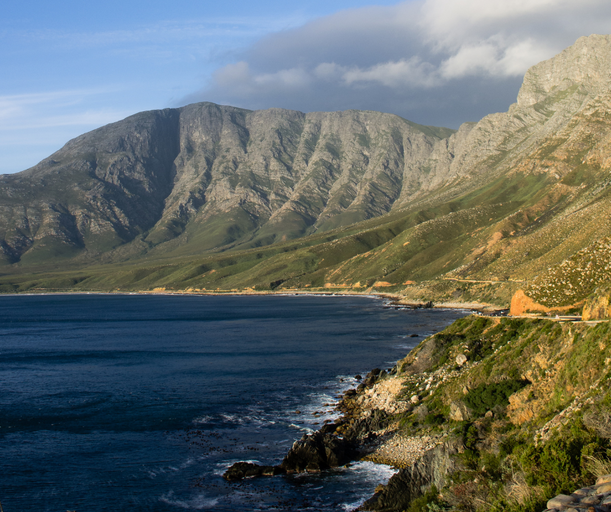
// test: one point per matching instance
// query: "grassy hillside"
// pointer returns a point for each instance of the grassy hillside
(523, 405)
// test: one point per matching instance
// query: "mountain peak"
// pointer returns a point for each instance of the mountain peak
(586, 64)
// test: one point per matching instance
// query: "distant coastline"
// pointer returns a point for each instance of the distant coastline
(396, 299)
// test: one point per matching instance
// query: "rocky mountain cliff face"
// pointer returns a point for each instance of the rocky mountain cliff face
(209, 175)
(552, 93)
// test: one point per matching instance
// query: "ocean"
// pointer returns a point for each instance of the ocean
(140, 402)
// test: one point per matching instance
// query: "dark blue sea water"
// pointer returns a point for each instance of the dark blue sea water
(139, 403)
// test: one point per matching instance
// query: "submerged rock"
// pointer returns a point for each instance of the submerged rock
(241, 470)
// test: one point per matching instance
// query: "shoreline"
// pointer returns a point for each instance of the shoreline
(360, 433)
(396, 299)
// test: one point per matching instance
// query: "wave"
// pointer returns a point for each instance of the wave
(199, 502)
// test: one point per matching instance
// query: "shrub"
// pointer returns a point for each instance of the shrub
(486, 397)
(428, 502)
(560, 465)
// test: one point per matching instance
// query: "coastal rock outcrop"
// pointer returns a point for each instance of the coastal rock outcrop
(447, 445)
(432, 468)
(334, 445)
(241, 470)
(317, 452)
(312, 453)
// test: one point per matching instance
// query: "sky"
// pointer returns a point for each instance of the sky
(67, 67)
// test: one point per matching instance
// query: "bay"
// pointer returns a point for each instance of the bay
(137, 402)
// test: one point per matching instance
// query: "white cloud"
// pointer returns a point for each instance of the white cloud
(233, 74)
(404, 57)
(329, 71)
(450, 22)
(491, 58)
(471, 60)
(294, 77)
(395, 74)
(522, 55)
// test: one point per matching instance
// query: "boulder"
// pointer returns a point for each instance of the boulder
(560, 501)
(459, 411)
(316, 452)
(372, 377)
(604, 479)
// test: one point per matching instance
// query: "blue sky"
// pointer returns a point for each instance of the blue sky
(68, 67)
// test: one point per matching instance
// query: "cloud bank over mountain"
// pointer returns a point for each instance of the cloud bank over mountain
(433, 61)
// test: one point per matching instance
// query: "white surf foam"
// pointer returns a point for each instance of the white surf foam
(199, 502)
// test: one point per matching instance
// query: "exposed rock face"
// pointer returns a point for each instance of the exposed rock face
(586, 64)
(420, 359)
(552, 92)
(598, 305)
(522, 303)
(316, 452)
(433, 468)
(211, 175)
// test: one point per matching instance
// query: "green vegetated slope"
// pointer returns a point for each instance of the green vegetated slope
(526, 417)
(412, 245)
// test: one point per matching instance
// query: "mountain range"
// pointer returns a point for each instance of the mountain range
(210, 197)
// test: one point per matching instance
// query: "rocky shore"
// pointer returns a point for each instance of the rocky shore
(352, 436)
(366, 430)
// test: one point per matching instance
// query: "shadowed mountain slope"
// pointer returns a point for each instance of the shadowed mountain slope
(207, 176)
